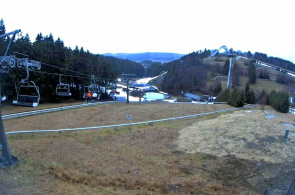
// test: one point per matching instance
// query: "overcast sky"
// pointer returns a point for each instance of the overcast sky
(179, 26)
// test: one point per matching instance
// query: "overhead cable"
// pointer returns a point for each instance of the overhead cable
(65, 69)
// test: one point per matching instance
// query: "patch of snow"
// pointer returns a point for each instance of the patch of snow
(288, 125)
(271, 116)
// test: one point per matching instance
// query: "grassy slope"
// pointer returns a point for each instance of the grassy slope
(107, 114)
(8, 108)
(130, 160)
(261, 84)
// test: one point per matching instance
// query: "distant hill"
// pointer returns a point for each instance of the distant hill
(152, 56)
(124, 65)
(198, 74)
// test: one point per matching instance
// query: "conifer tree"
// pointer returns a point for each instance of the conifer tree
(279, 101)
(237, 98)
(236, 74)
(226, 67)
(252, 73)
(2, 27)
(223, 96)
(249, 95)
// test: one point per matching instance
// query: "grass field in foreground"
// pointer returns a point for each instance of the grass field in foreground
(143, 159)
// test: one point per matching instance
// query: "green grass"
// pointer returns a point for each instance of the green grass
(267, 85)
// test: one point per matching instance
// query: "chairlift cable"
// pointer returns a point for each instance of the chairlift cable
(57, 74)
(54, 66)
(74, 72)
(65, 69)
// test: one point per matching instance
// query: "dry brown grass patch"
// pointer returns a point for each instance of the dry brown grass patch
(108, 114)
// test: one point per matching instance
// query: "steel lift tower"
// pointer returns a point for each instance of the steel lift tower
(6, 159)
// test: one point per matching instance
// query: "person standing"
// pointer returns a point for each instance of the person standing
(89, 96)
(94, 96)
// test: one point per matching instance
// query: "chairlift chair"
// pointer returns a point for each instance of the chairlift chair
(63, 89)
(94, 88)
(27, 92)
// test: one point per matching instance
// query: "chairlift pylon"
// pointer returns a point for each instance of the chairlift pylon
(63, 89)
(8, 60)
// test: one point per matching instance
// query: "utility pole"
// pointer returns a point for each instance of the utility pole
(229, 72)
(127, 101)
(6, 159)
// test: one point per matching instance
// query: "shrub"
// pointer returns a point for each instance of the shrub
(237, 98)
(215, 88)
(223, 96)
(263, 98)
(279, 101)
(282, 79)
(263, 74)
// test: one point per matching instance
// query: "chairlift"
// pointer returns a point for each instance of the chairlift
(94, 88)
(27, 92)
(63, 89)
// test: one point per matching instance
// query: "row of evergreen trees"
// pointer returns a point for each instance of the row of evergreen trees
(275, 61)
(53, 52)
(238, 97)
